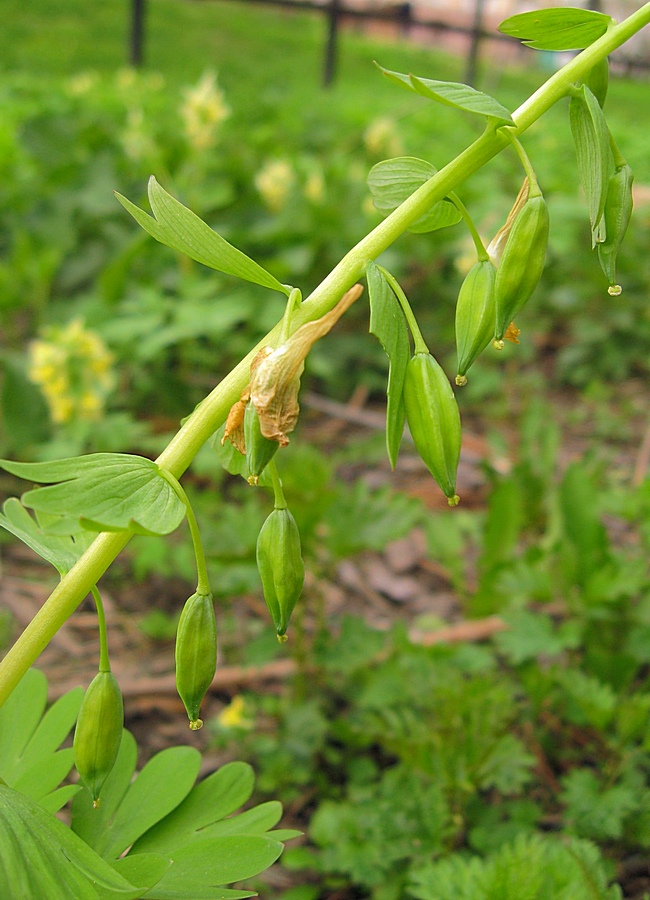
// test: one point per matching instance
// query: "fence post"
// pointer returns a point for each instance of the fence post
(329, 66)
(137, 32)
(472, 56)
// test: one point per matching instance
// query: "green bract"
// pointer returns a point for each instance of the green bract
(196, 654)
(522, 262)
(280, 565)
(99, 732)
(475, 315)
(433, 420)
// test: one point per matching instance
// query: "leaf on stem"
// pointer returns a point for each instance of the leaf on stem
(564, 28)
(392, 181)
(56, 540)
(388, 324)
(178, 227)
(591, 138)
(104, 491)
(450, 93)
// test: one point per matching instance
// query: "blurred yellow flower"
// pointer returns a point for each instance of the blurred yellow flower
(274, 181)
(314, 189)
(234, 715)
(202, 111)
(82, 83)
(73, 368)
(381, 138)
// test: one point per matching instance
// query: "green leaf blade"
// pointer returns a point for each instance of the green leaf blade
(388, 324)
(179, 228)
(451, 93)
(104, 491)
(392, 181)
(563, 28)
(591, 139)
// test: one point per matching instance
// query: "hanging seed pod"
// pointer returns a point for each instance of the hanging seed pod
(475, 315)
(433, 420)
(196, 654)
(522, 262)
(98, 732)
(618, 209)
(281, 568)
(259, 449)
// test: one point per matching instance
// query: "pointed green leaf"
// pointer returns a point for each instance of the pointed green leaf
(177, 227)
(41, 857)
(563, 28)
(591, 138)
(61, 550)
(57, 799)
(106, 491)
(164, 782)
(450, 93)
(392, 181)
(257, 820)
(144, 870)
(388, 324)
(19, 718)
(209, 863)
(92, 824)
(217, 796)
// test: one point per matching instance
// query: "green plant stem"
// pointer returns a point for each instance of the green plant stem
(533, 186)
(476, 237)
(203, 583)
(279, 500)
(420, 345)
(205, 420)
(104, 661)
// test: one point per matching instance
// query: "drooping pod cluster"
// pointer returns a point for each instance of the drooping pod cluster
(475, 315)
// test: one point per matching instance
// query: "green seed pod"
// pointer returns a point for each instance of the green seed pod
(475, 315)
(618, 209)
(433, 420)
(281, 568)
(522, 262)
(259, 449)
(98, 733)
(597, 80)
(196, 654)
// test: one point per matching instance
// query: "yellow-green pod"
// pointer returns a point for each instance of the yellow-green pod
(475, 315)
(433, 420)
(98, 732)
(196, 654)
(281, 568)
(259, 449)
(618, 209)
(522, 262)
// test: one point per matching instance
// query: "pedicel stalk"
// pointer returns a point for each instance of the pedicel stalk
(179, 228)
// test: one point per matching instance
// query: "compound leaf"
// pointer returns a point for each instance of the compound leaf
(105, 491)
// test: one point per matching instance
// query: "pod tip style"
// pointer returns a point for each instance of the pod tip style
(196, 724)
(614, 290)
(461, 380)
(453, 501)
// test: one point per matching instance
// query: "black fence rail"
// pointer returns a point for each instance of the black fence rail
(400, 14)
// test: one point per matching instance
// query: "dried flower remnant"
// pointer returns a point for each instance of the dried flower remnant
(276, 380)
(498, 242)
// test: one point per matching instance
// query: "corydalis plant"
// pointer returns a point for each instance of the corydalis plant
(118, 495)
